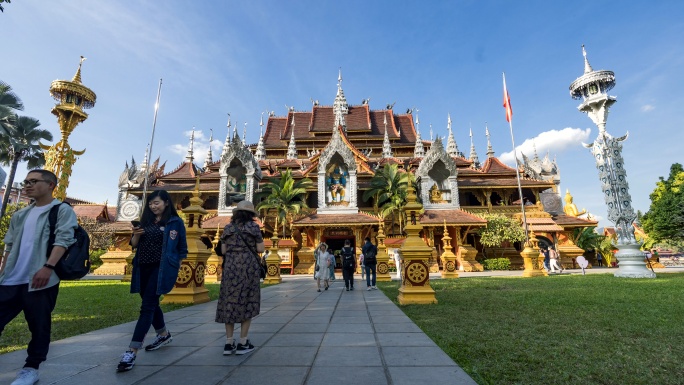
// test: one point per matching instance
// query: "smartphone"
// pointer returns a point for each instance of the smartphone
(135, 223)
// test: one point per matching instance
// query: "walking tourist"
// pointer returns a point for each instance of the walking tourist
(599, 258)
(332, 266)
(547, 260)
(160, 245)
(322, 263)
(553, 260)
(240, 293)
(28, 282)
(348, 265)
(370, 253)
(363, 267)
(397, 262)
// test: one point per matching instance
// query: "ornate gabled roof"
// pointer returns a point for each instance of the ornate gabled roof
(183, 171)
(570, 221)
(495, 166)
(435, 154)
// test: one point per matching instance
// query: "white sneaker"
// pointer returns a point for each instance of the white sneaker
(374, 287)
(369, 289)
(26, 376)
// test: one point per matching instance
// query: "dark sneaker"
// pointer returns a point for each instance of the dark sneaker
(244, 349)
(351, 288)
(127, 361)
(228, 349)
(26, 376)
(158, 342)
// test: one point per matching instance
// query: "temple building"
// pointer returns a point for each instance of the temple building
(340, 148)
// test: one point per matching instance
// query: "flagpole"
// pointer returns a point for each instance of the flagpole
(509, 117)
(149, 155)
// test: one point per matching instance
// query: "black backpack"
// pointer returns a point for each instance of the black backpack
(370, 257)
(348, 254)
(75, 263)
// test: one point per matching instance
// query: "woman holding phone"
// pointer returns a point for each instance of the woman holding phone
(160, 245)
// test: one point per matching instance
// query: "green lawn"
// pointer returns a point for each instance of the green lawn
(593, 329)
(84, 306)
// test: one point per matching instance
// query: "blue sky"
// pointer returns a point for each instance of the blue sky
(440, 57)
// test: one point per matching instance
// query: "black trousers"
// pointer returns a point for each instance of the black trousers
(37, 307)
(348, 275)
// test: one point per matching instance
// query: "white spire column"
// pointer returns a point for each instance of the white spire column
(473, 154)
(490, 150)
(592, 88)
(386, 146)
(261, 150)
(452, 148)
(210, 158)
(419, 151)
(291, 148)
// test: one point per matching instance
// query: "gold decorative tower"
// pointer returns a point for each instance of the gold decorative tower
(189, 287)
(448, 256)
(214, 263)
(532, 258)
(415, 280)
(72, 97)
(273, 261)
(382, 268)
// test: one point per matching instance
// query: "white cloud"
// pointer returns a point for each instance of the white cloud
(553, 141)
(647, 107)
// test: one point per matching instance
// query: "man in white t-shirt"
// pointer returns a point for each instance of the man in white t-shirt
(28, 282)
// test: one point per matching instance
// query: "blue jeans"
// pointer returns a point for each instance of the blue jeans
(370, 269)
(150, 312)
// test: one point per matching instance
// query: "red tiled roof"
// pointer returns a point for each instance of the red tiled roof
(98, 212)
(452, 217)
(394, 242)
(570, 221)
(494, 166)
(184, 171)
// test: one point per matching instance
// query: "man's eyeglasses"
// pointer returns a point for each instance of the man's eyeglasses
(31, 182)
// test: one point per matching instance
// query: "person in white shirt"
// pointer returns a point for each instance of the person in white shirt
(28, 282)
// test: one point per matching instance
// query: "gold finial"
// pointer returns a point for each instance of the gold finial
(445, 228)
(77, 77)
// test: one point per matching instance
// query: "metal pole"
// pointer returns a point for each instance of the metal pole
(517, 171)
(149, 155)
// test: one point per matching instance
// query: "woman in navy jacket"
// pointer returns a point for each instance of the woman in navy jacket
(160, 245)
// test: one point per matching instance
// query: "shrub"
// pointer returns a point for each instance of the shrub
(95, 260)
(497, 264)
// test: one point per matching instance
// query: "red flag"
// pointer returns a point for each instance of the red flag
(507, 101)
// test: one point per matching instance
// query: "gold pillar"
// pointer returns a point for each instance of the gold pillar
(214, 263)
(273, 263)
(189, 287)
(73, 97)
(382, 273)
(305, 265)
(531, 258)
(415, 282)
(448, 257)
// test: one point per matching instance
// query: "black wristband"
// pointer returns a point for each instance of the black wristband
(49, 266)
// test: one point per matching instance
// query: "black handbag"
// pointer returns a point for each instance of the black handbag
(261, 261)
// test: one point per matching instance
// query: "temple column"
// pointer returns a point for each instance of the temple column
(415, 283)
(382, 272)
(189, 287)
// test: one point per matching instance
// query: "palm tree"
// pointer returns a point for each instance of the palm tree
(388, 190)
(9, 101)
(586, 238)
(20, 144)
(285, 195)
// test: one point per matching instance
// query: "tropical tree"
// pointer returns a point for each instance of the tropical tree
(664, 221)
(5, 220)
(500, 229)
(20, 144)
(9, 101)
(388, 188)
(586, 238)
(285, 195)
(2, 9)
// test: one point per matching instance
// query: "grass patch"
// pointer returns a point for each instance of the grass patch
(593, 329)
(84, 306)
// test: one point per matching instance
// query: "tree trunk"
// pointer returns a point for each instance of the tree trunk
(8, 188)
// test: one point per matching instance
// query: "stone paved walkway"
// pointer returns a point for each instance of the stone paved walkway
(302, 337)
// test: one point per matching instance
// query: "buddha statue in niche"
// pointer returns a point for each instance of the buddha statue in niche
(435, 194)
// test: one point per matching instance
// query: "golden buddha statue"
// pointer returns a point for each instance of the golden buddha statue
(570, 208)
(435, 194)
